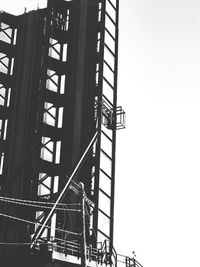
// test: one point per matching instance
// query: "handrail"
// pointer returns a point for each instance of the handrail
(128, 262)
(103, 255)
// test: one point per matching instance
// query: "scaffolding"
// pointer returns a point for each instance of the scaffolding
(58, 123)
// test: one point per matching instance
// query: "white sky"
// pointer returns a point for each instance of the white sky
(158, 155)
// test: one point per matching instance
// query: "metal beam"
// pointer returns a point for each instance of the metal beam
(62, 194)
(83, 237)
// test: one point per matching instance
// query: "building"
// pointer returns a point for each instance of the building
(58, 122)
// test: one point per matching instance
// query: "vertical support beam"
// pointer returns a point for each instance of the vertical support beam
(83, 234)
(80, 81)
(99, 114)
(114, 130)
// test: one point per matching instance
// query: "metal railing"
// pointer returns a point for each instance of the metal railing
(124, 261)
(101, 255)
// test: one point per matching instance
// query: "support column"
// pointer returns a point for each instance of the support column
(80, 82)
(83, 235)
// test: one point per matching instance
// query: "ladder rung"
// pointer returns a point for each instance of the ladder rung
(109, 50)
(110, 34)
(105, 194)
(103, 212)
(108, 65)
(112, 4)
(106, 154)
(105, 174)
(103, 234)
(107, 100)
(108, 83)
(110, 18)
(106, 136)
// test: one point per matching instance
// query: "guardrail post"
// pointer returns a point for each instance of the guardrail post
(83, 236)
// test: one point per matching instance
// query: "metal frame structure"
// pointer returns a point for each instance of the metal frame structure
(59, 116)
(7, 43)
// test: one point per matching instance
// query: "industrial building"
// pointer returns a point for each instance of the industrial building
(58, 123)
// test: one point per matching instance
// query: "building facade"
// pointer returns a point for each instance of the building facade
(58, 122)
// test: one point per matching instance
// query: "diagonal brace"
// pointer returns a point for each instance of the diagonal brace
(62, 194)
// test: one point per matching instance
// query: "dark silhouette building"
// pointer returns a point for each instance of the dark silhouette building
(58, 122)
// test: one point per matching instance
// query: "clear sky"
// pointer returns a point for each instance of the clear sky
(158, 155)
